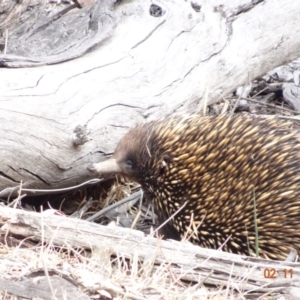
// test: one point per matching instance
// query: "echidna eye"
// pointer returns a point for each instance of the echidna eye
(129, 163)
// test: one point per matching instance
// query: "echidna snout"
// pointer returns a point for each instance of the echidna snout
(105, 168)
(111, 167)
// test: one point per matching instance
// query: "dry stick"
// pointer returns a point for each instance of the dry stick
(200, 282)
(15, 202)
(6, 235)
(263, 297)
(136, 219)
(42, 255)
(248, 243)
(289, 118)
(271, 105)
(273, 289)
(205, 100)
(150, 206)
(170, 218)
(71, 188)
(132, 197)
(255, 226)
(220, 248)
(264, 89)
(78, 254)
(260, 92)
(52, 191)
(244, 279)
(6, 41)
(230, 274)
(83, 209)
(225, 107)
(186, 237)
(237, 101)
(148, 138)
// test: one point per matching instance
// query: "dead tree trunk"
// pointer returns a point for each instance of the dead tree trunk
(151, 60)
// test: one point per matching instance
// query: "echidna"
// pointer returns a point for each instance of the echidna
(217, 170)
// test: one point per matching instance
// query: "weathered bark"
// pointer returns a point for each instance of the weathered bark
(185, 261)
(147, 68)
(51, 34)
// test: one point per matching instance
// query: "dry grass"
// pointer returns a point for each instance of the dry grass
(104, 277)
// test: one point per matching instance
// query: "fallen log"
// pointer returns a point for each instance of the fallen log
(155, 59)
(185, 261)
